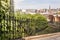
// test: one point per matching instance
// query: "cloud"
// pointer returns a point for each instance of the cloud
(18, 0)
(21, 0)
(32, 6)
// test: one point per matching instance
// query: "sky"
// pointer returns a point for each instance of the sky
(36, 4)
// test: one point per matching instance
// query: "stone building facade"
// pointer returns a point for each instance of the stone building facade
(54, 18)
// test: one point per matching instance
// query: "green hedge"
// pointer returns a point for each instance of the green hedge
(25, 25)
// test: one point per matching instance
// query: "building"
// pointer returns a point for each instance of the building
(51, 15)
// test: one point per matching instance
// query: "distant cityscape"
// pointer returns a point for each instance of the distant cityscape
(50, 14)
(40, 11)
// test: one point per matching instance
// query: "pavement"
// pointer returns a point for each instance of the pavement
(53, 36)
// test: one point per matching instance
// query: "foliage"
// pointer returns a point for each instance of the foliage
(31, 24)
(4, 9)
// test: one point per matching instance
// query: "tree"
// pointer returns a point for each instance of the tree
(31, 24)
(4, 9)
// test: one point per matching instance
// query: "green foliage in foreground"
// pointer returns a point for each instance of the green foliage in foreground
(4, 8)
(22, 25)
(32, 24)
(25, 25)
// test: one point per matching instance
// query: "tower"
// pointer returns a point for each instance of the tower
(49, 7)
